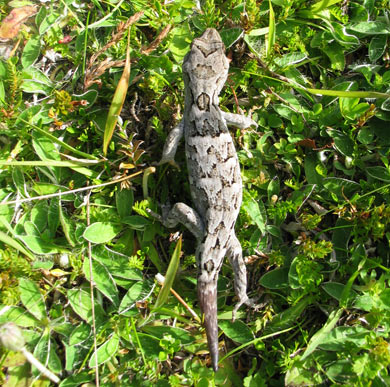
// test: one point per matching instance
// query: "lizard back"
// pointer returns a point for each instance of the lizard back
(213, 169)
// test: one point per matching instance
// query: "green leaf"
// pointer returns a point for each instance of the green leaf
(136, 293)
(366, 136)
(336, 55)
(273, 188)
(379, 173)
(79, 334)
(102, 279)
(116, 263)
(321, 5)
(312, 176)
(341, 187)
(32, 298)
(177, 333)
(39, 215)
(80, 301)
(6, 239)
(54, 139)
(169, 277)
(341, 371)
(19, 316)
(334, 289)
(271, 31)
(322, 335)
(35, 81)
(180, 42)
(293, 278)
(150, 345)
(377, 47)
(256, 43)
(290, 59)
(340, 238)
(45, 352)
(48, 21)
(255, 210)
(371, 28)
(341, 336)
(136, 222)
(230, 36)
(31, 51)
(46, 151)
(90, 96)
(19, 180)
(288, 317)
(124, 202)
(342, 143)
(236, 331)
(349, 94)
(68, 227)
(101, 232)
(39, 245)
(275, 279)
(105, 352)
(117, 100)
(78, 379)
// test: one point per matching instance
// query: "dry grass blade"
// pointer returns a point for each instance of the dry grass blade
(156, 42)
(93, 72)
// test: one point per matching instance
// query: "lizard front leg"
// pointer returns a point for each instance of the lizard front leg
(171, 144)
(238, 120)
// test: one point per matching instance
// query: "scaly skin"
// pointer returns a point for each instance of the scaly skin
(214, 176)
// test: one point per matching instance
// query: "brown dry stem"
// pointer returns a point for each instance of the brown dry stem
(95, 70)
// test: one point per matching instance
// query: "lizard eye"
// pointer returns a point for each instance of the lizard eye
(209, 266)
(203, 102)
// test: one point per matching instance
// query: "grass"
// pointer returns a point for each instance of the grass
(79, 251)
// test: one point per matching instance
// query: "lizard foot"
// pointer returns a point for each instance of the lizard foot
(247, 301)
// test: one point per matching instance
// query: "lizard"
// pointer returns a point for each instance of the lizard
(214, 177)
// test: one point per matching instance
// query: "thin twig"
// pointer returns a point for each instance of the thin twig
(92, 294)
(306, 198)
(288, 104)
(39, 366)
(161, 279)
(48, 196)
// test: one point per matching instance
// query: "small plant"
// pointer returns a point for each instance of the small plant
(79, 251)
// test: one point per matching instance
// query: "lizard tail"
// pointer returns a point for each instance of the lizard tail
(207, 296)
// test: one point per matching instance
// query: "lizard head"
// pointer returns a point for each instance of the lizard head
(205, 67)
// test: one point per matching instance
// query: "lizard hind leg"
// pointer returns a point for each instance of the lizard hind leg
(181, 213)
(234, 254)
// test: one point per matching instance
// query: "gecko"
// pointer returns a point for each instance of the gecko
(214, 177)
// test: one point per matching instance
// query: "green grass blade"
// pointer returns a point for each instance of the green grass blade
(321, 335)
(117, 100)
(170, 276)
(103, 19)
(48, 163)
(58, 141)
(6, 239)
(322, 4)
(271, 31)
(348, 94)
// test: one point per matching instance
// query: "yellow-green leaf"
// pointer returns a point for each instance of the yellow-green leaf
(117, 100)
(170, 276)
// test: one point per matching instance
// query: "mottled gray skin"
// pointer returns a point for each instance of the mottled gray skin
(214, 176)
